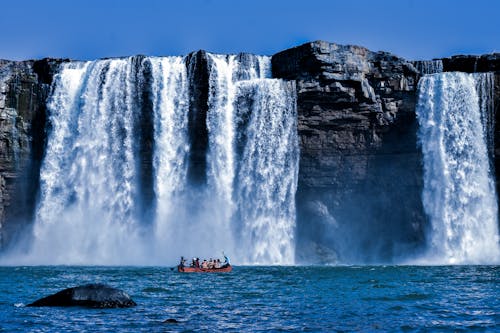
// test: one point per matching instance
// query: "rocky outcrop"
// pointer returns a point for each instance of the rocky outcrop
(360, 169)
(198, 70)
(472, 63)
(24, 88)
(90, 295)
(22, 109)
(360, 178)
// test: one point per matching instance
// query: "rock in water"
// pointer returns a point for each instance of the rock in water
(90, 295)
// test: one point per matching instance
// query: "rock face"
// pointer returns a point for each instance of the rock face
(90, 295)
(360, 177)
(360, 169)
(22, 126)
(472, 63)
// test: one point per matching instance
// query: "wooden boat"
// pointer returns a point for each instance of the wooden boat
(187, 269)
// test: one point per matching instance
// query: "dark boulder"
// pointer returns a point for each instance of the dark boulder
(90, 295)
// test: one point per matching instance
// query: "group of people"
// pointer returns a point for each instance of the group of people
(206, 264)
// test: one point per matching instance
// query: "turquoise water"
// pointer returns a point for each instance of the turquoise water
(312, 299)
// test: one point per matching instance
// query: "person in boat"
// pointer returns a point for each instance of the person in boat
(183, 262)
(204, 264)
(193, 262)
(211, 263)
(197, 263)
(226, 260)
(217, 263)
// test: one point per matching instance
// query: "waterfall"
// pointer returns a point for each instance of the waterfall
(459, 193)
(485, 83)
(171, 107)
(114, 180)
(268, 170)
(429, 66)
(88, 210)
(252, 139)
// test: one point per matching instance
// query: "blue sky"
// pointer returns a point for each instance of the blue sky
(89, 29)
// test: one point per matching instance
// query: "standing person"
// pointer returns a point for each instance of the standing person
(226, 260)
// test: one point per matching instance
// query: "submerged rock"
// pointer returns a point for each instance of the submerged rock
(90, 295)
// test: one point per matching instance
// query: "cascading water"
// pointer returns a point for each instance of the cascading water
(171, 107)
(429, 66)
(251, 190)
(87, 211)
(267, 175)
(485, 88)
(459, 193)
(114, 120)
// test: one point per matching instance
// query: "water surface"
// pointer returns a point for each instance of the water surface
(311, 299)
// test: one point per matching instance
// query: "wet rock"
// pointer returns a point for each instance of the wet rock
(472, 63)
(359, 153)
(24, 88)
(90, 295)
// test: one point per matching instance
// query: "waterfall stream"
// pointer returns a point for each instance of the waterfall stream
(114, 184)
(253, 157)
(87, 210)
(459, 192)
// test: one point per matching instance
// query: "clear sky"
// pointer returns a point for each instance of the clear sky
(89, 29)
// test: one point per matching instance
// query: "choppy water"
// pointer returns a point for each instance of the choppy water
(313, 299)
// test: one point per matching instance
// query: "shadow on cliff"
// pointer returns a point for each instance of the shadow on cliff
(375, 219)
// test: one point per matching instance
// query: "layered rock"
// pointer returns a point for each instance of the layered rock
(359, 188)
(472, 63)
(360, 178)
(24, 88)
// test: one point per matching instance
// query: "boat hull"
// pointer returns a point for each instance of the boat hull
(225, 269)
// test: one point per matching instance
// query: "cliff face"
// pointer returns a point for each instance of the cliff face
(22, 122)
(360, 169)
(360, 176)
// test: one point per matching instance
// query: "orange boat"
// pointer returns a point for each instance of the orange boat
(186, 269)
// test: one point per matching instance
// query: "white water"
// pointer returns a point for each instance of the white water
(459, 193)
(87, 211)
(485, 88)
(268, 172)
(90, 209)
(251, 192)
(171, 107)
(429, 66)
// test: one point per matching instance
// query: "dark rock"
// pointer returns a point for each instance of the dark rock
(359, 158)
(24, 88)
(144, 133)
(472, 63)
(90, 295)
(360, 177)
(198, 72)
(46, 68)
